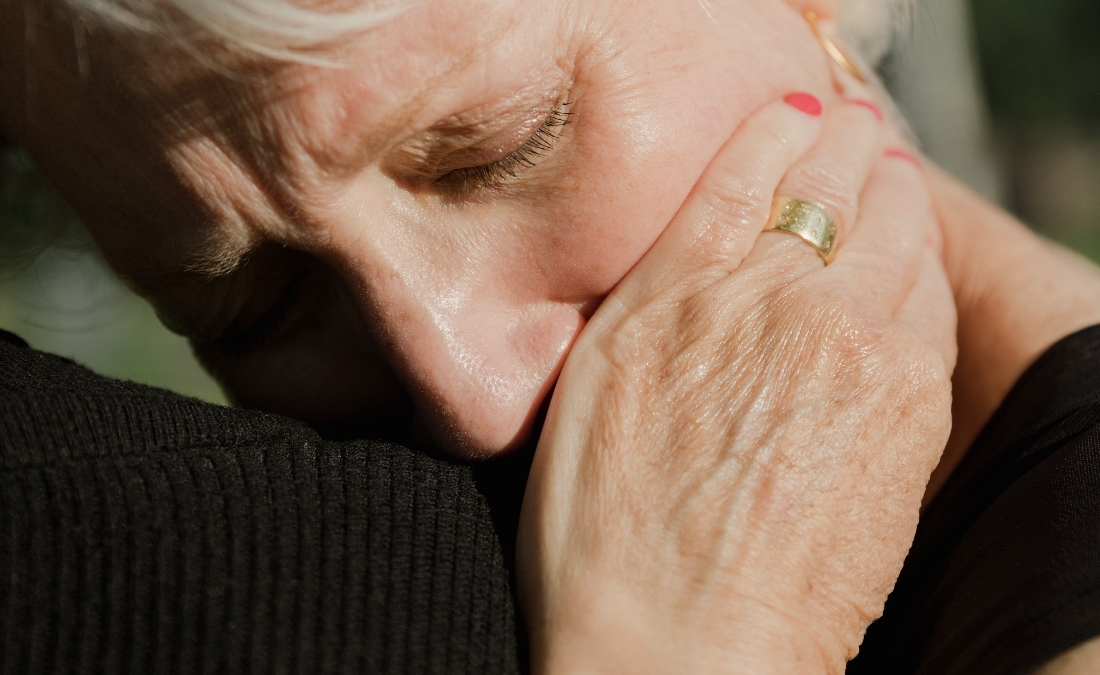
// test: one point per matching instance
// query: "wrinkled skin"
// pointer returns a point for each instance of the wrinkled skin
(382, 275)
(374, 286)
(375, 281)
(736, 452)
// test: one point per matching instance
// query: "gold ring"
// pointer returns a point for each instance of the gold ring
(806, 220)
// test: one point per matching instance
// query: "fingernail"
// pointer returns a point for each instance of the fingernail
(870, 106)
(807, 103)
(898, 153)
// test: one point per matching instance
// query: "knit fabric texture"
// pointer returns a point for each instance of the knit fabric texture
(144, 532)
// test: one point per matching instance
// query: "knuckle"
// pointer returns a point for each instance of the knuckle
(929, 373)
(738, 200)
(627, 347)
(856, 330)
(917, 395)
(864, 347)
(734, 209)
(832, 334)
(831, 187)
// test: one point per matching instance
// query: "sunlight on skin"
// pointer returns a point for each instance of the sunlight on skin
(414, 234)
(1084, 660)
(430, 292)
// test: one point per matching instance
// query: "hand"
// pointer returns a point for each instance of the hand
(1017, 294)
(732, 464)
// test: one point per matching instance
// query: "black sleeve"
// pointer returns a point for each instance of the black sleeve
(1004, 573)
(143, 532)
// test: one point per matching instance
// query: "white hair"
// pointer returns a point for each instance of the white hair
(283, 28)
(277, 28)
(870, 26)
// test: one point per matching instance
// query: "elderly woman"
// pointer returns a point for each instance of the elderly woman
(427, 217)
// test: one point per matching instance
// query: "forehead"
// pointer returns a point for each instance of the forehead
(303, 125)
(433, 61)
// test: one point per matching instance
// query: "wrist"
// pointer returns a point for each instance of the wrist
(1017, 295)
(609, 632)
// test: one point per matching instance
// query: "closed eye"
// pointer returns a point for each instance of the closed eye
(541, 143)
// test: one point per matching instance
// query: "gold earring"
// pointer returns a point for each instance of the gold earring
(833, 48)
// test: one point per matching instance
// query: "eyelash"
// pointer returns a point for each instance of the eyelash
(270, 326)
(523, 157)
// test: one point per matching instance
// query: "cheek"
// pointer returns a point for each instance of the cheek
(598, 237)
(649, 123)
(631, 172)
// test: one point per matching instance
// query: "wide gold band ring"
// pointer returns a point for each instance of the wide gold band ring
(806, 220)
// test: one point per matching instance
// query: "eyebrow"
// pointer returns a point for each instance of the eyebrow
(406, 118)
(220, 256)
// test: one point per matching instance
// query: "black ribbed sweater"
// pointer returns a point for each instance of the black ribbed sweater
(144, 532)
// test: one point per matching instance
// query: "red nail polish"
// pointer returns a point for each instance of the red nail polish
(870, 106)
(807, 103)
(897, 153)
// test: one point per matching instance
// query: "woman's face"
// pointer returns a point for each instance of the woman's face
(427, 228)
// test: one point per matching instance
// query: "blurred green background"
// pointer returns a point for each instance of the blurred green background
(1003, 93)
(57, 294)
(1040, 64)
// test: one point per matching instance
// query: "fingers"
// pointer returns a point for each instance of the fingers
(831, 176)
(929, 309)
(722, 218)
(833, 173)
(900, 149)
(881, 258)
